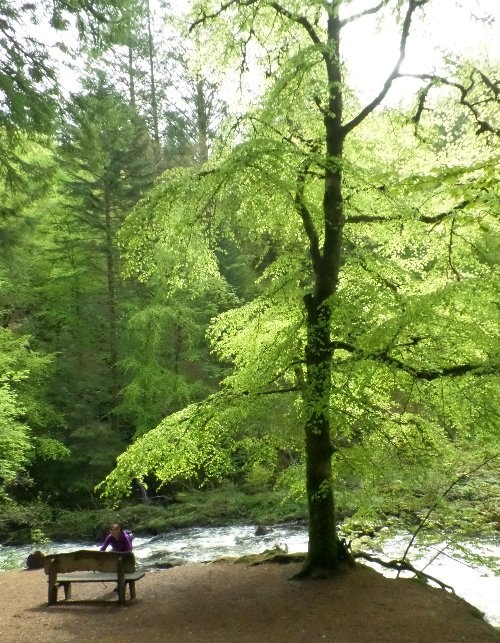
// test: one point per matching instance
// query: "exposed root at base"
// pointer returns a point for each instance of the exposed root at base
(404, 565)
(313, 570)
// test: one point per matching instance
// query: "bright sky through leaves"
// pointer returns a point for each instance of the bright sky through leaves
(455, 27)
(371, 44)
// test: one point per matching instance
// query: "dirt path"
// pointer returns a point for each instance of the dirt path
(237, 603)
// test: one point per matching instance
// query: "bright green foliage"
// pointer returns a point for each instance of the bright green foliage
(411, 402)
(414, 324)
(205, 443)
(167, 361)
(23, 411)
(26, 367)
(106, 164)
(15, 445)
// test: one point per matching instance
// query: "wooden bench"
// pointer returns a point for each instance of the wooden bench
(100, 567)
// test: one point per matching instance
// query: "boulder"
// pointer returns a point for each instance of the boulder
(35, 560)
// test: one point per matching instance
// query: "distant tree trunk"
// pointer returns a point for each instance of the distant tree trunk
(131, 78)
(202, 122)
(177, 348)
(112, 310)
(152, 84)
(143, 491)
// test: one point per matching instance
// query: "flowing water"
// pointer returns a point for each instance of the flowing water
(476, 583)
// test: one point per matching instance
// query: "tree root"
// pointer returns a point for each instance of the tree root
(403, 565)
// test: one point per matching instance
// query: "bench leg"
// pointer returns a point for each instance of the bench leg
(67, 590)
(52, 599)
(52, 582)
(131, 586)
(121, 591)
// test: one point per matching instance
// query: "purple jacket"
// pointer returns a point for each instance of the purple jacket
(124, 543)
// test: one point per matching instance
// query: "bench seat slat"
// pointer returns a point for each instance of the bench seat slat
(94, 577)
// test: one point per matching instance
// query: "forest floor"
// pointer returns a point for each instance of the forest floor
(225, 602)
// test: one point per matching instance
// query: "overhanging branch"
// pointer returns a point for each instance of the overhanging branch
(434, 80)
(424, 218)
(463, 476)
(367, 12)
(205, 17)
(434, 374)
(301, 20)
(423, 374)
(413, 5)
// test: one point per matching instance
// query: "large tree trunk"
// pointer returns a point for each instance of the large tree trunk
(322, 553)
(325, 551)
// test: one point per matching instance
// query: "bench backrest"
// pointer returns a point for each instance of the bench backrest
(88, 560)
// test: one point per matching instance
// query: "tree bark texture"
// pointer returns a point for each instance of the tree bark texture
(325, 550)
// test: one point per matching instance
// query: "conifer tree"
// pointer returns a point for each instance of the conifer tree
(106, 164)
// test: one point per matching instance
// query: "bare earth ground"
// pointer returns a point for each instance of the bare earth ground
(236, 603)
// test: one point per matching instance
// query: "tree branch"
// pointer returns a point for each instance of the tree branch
(450, 252)
(345, 346)
(210, 16)
(366, 218)
(424, 218)
(291, 389)
(307, 220)
(423, 374)
(367, 12)
(383, 280)
(310, 143)
(429, 375)
(301, 20)
(445, 493)
(413, 5)
(433, 80)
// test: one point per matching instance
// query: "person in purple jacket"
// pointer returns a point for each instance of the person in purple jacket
(119, 539)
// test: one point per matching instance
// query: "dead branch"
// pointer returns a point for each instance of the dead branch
(461, 477)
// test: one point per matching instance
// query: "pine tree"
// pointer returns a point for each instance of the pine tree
(106, 164)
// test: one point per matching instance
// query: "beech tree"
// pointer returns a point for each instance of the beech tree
(374, 286)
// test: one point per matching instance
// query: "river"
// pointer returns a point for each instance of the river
(476, 583)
